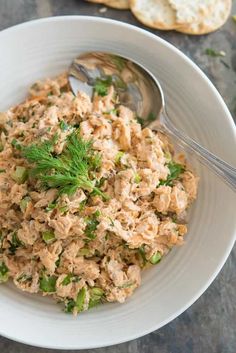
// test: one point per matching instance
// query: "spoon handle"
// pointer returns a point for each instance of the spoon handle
(222, 169)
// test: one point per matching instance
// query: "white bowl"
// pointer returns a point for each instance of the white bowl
(44, 48)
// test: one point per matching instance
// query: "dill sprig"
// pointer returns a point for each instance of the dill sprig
(72, 169)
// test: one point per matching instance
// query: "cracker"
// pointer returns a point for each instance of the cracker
(118, 4)
(154, 13)
(215, 17)
(188, 11)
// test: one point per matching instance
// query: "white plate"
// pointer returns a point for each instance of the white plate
(45, 47)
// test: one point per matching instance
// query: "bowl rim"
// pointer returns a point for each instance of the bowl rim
(227, 116)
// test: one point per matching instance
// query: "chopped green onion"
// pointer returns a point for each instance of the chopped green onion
(1, 147)
(51, 206)
(234, 18)
(82, 205)
(156, 258)
(48, 236)
(96, 295)
(168, 156)
(140, 121)
(63, 209)
(84, 252)
(142, 253)
(126, 285)
(69, 305)
(96, 292)
(93, 303)
(24, 203)
(112, 111)
(16, 144)
(112, 222)
(23, 119)
(80, 300)
(48, 284)
(67, 280)
(24, 278)
(15, 243)
(2, 170)
(97, 213)
(20, 175)
(64, 126)
(137, 178)
(4, 272)
(118, 157)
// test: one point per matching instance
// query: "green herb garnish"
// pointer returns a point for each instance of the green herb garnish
(4, 272)
(234, 18)
(102, 84)
(175, 171)
(48, 284)
(2, 170)
(70, 170)
(1, 147)
(214, 53)
(92, 223)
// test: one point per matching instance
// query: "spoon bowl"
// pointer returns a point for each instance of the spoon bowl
(136, 87)
(139, 90)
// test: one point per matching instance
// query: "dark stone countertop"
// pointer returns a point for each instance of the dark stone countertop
(209, 325)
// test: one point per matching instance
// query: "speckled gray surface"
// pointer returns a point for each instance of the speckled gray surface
(209, 326)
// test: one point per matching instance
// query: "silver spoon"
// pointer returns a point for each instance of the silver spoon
(139, 90)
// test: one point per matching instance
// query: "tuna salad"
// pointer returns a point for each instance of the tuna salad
(88, 197)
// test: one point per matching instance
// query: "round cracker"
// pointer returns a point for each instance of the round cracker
(118, 4)
(154, 13)
(215, 18)
(188, 11)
